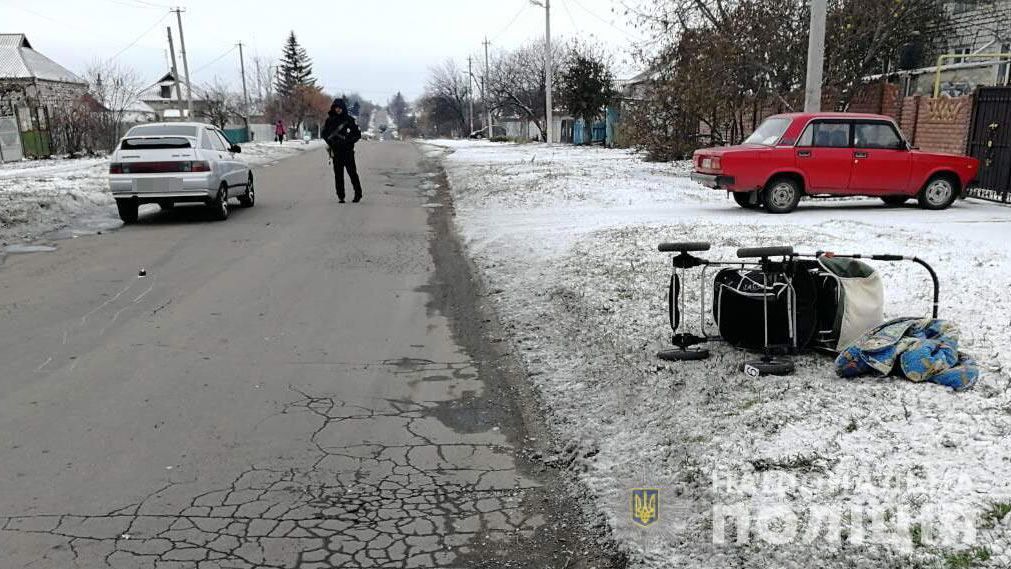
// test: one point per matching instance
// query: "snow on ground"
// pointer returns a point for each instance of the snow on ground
(41, 195)
(750, 470)
(38, 196)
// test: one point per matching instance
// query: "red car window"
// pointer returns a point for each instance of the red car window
(826, 135)
(876, 135)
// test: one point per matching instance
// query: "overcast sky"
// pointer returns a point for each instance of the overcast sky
(375, 47)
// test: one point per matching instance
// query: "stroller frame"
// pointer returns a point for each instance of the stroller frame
(761, 259)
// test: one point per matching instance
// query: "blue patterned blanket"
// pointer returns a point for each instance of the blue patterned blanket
(918, 349)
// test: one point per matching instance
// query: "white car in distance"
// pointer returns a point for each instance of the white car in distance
(170, 163)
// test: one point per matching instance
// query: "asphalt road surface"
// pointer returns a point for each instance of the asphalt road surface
(307, 384)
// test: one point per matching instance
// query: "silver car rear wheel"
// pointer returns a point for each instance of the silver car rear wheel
(219, 205)
(248, 199)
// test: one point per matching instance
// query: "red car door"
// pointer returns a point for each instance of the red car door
(881, 160)
(824, 155)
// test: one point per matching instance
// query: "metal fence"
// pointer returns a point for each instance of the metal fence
(990, 143)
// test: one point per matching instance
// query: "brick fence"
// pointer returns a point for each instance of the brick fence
(934, 125)
(937, 125)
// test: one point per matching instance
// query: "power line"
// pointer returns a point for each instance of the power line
(43, 16)
(522, 9)
(583, 8)
(215, 60)
(140, 37)
(575, 28)
(149, 4)
(132, 4)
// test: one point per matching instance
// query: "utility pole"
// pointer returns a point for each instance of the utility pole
(259, 84)
(548, 118)
(175, 71)
(484, 89)
(242, 70)
(470, 89)
(547, 71)
(186, 65)
(815, 57)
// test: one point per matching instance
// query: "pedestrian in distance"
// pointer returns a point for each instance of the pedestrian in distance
(341, 132)
(279, 132)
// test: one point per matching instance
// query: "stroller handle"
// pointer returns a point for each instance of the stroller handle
(684, 247)
(763, 252)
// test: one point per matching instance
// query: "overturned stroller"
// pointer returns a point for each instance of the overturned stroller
(777, 302)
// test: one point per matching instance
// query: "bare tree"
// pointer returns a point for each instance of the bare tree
(865, 37)
(222, 103)
(262, 68)
(447, 93)
(116, 88)
(517, 84)
(724, 65)
(305, 104)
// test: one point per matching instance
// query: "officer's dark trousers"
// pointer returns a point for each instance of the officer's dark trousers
(345, 160)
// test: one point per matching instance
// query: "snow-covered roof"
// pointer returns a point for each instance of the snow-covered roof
(19, 61)
(153, 91)
(175, 114)
(138, 107)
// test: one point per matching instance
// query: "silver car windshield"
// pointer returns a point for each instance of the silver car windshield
(163, 130)
(769, 132)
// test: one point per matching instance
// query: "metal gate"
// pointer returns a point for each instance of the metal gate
(10, 138)
(990, 143)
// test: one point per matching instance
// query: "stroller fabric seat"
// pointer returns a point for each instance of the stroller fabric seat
(740, 302)
(858, 296)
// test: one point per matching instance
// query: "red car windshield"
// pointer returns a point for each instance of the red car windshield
(769, 132)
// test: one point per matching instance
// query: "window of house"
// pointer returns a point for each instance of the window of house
(961, 51)
(166, 91)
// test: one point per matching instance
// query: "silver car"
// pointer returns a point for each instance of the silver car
(169, 163)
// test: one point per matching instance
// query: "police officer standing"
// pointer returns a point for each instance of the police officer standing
(341, 132)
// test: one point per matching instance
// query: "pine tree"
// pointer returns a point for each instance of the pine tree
(295, 68)
(398, 110)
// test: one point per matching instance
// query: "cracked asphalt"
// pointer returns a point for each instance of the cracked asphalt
(305, 385)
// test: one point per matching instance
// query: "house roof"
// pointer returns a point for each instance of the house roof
(19, 61)
(152, 93)
(138, 106)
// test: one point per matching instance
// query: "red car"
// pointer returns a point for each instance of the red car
(832, 154)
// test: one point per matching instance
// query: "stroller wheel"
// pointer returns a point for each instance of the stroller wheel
(685, 355)
(768, 366)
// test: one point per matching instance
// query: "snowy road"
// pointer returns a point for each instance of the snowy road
(304, 385)
(807, 471)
